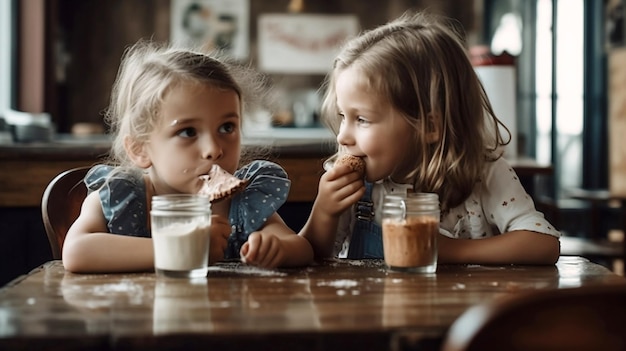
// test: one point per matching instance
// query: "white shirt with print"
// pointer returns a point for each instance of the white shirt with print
(498, 204)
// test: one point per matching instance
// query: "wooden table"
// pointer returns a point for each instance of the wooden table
(335, 305)
(529, 167)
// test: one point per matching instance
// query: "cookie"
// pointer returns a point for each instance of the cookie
(354, 162)
(219, 184)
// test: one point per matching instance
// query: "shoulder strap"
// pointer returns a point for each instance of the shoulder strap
(365, 206)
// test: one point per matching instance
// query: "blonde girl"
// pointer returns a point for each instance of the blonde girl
(405, 98)
(174, 113)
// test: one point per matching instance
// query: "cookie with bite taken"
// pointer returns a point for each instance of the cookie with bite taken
(219, 184)
(355, 163)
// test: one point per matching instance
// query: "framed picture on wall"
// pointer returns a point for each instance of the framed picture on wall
(212, 24)
(302, 43)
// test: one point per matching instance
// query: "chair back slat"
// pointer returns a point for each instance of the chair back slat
(584, 318)
(60, 206)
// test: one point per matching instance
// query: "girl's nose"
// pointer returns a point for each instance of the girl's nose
(344, 137)
(211, 149)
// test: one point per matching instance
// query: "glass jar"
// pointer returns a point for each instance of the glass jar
(180, 234)
(410, 229)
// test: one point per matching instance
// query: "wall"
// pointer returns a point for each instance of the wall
(89, 38)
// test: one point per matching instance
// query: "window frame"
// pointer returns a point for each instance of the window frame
(594, 162)
(8, 63)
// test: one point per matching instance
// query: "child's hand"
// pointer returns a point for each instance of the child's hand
(339, 188)
(263, 249)
(220, 231)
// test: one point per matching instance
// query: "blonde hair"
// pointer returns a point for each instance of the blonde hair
(149, 70)
(419, 64)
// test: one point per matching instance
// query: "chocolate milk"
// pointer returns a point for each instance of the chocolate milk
(410, 229)
(410, 242)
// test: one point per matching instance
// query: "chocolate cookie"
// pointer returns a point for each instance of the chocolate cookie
(219, 184)
(354, 162)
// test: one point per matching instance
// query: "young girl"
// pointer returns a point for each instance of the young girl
(174, 114)
(404, 97)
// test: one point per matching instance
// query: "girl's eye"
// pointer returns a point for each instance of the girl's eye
(362, 120)
(187, 133)
(227, 128)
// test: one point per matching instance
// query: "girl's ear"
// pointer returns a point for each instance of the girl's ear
(433, 132)
(137, 153)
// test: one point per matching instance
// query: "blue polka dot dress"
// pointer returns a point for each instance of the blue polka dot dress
(267, 190)
(123, 199)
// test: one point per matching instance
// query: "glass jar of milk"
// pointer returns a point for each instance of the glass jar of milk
(180, 234)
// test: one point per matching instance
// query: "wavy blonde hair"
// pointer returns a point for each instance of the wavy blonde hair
(147, 73)
(419, 64)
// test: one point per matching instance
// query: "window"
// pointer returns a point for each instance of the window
(7, 59)
(561, 89)
(559, 86)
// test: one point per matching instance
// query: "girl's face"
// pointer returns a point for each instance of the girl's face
(200, 126)
(371, 128)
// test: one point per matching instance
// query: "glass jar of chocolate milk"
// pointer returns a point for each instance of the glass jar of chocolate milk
(180, 234)
(410, 229)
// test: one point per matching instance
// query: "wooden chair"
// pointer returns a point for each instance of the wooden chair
(598, 199)
(588, 318)
(596, 245)
(60, 206)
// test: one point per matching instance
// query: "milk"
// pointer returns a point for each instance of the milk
(181, 247)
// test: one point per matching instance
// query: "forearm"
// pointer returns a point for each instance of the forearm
(518, 247)
(298, 251)
(339, 189)
(104, 252)
(320, 231)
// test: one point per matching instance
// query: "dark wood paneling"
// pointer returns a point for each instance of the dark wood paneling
(94, 35)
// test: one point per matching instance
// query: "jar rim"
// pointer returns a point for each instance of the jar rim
(400, 205)
(181, 203)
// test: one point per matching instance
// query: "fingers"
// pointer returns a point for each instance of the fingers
(243, 253)
(220, 225)
(249, 250)
(220, 231)
(341, 171)
(215, 254)
(262, 249)
(348, 194)
(339, 188)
